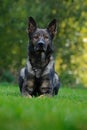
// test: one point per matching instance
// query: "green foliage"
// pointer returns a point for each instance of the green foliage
(69, 45)
(67, 111)
(7, 77)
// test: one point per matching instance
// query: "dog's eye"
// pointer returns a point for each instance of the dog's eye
(46, 37)
(36, 37)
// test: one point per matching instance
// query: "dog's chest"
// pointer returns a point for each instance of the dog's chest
(39, 60)
(38, 65)
(39, 68)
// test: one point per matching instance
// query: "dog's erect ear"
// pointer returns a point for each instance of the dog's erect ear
(31, 25)
(52, 28)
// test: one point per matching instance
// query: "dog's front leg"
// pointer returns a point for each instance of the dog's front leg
(24, 92)
(28, 88)
(46, 88)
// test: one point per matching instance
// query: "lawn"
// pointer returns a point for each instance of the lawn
(67, 111)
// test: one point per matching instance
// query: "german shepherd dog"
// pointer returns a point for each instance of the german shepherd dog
(38, 77)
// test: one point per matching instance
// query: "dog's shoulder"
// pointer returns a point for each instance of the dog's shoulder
(29, 68)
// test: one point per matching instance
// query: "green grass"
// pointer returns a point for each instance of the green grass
(67, 111)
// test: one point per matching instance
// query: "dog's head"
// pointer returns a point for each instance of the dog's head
(41, 39)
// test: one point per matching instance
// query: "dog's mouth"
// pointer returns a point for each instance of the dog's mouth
(40, 47)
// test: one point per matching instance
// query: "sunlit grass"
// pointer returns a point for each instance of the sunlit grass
(67, 111)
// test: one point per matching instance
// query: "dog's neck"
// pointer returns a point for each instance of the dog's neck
(38, 59)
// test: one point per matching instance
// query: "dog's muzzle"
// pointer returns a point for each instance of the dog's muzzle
(40, 46)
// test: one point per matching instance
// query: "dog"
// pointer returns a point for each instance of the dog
(38, 77)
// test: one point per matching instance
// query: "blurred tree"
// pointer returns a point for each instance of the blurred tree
(70, 48)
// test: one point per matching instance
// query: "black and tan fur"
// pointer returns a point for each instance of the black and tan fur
(38, 77)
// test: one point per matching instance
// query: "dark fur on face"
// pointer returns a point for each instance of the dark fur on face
(40, 46)
(39, 77)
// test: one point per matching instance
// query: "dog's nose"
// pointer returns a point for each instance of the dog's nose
(41, 43)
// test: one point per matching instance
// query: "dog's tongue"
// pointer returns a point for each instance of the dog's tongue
(42, 57)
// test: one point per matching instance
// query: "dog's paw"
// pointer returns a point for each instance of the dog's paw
(29, 96)
(41, 96)
(45, 95)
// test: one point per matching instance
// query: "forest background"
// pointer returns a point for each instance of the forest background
(70, 43)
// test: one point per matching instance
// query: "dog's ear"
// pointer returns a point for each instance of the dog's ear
(52, 28)
(31, 26)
